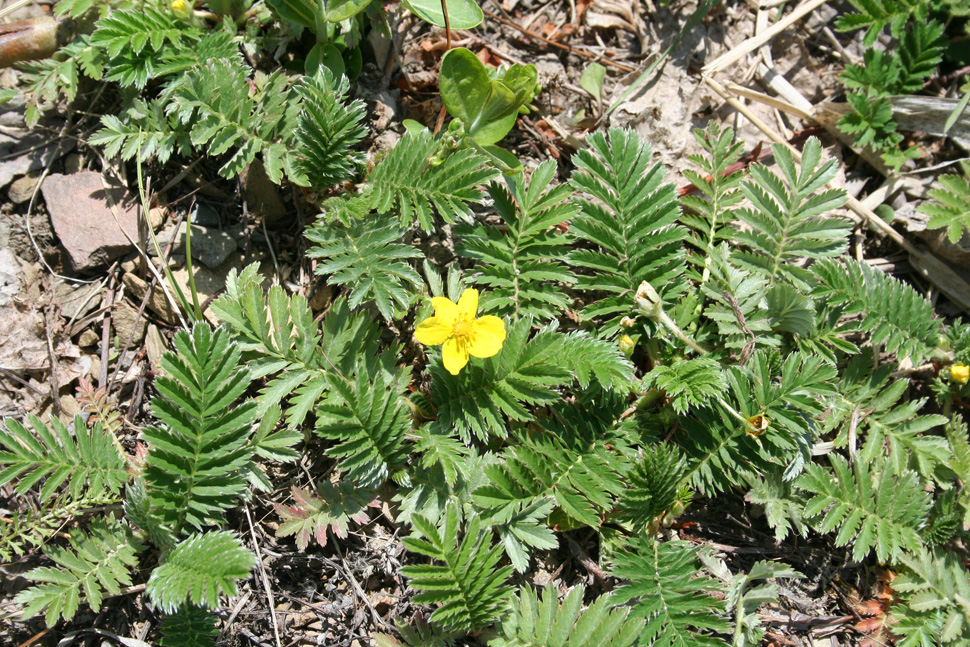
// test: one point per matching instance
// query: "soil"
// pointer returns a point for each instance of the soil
(338, 595)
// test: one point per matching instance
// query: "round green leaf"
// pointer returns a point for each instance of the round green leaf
(300, 12)
(326, 55)
(462, 14)
(337, 10)
(486, 107)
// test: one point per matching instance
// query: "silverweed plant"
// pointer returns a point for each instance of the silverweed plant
(681, 365)
(611, 354)
(917, 37)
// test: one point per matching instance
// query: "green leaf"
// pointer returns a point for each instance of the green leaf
(958, 110)
(679, 607)
(462, 14)
(99, 562)
(199, 570)
(628, 224)
(935, 589)
(419, 177)
(301, 12)
(546, 623)
(470, 586)
(89, 462)
(579, 456)
(592, 80)
(950, 208)
(482, 104)
(873, 508)
(688, 383)
(324, 57)
(369, 258)
(198, 453)
(339, 10)
(786, 221)
(189, 626)
(520, 267)
(655, 484)
(790, 311)
(894, 313)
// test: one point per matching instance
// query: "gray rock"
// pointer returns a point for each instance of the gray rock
(77, 301)
(11, 273)
(13, 116)
(88, 218)
(262, 196)
(73, 163)
(156, 345)
(37, 158)
(157, 302)
(209, 246)
(127, 323)
(22, 189)
(204, 215)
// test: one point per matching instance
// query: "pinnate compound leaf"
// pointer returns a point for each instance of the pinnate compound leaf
(328, 128)
(935, 590)
(950, 208)
(134, 31)
(88, 461)
(873, 508)
(521, 268)
(198, 453)
(535, 622)
(199, 570)
(189, 626)
(368, 418)
(98, 561)
(469, 585)
(893, 312)
(787, 218)
(523, 373)
(369, 258)
(334, 508)
(416, 179)
(628, 218)
(678, 604)
(688, 383)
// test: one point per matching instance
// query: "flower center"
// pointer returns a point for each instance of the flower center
(463, 330)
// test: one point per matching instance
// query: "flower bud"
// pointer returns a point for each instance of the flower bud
(960, 372)
(757, 425)
(649, 300)
(627, 344)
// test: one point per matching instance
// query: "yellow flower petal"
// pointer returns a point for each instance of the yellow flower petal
(433, 331)
(488, 336)
(484, 344)
(454, 356)
(445, 310)
(468, 303)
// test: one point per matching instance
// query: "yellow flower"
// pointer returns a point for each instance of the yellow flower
(460, 334)
(181, 8)
(960, 372)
